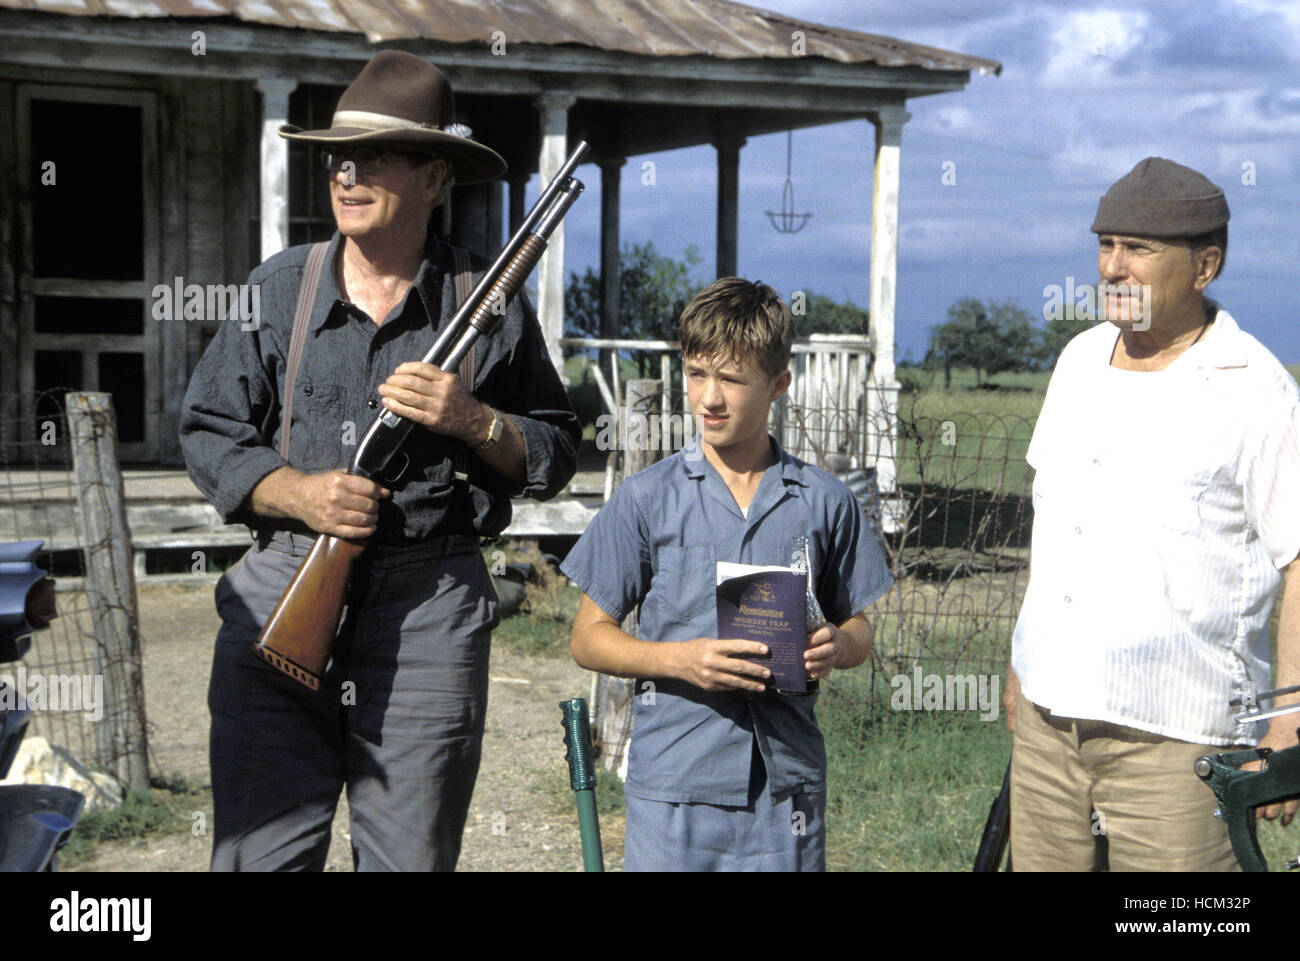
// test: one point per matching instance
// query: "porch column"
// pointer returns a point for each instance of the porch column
(275, 164)
(882, 395)
(728, 148)
(553, 114)
(610, 170)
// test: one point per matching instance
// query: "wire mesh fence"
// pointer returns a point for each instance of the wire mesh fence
(949, 492)
(958, 527)
(82, 688)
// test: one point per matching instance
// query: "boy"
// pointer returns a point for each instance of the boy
(723, 774)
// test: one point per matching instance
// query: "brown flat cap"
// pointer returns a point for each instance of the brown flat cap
(1163, 200)
(402, 102)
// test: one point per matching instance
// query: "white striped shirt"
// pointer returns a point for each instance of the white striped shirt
(1165, 504)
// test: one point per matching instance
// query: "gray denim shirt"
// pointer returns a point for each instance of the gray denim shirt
(230, 421)
(656, 543)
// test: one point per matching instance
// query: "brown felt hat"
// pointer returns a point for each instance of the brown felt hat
(401, 102)
(1162, 200)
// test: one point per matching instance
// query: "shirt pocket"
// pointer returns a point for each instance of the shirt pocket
(1170, 492)
(317, 396)
(683, 583)
(320, 430)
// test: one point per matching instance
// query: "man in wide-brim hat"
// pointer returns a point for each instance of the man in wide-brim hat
(399, 102)
(1167, 461)
(399, 718)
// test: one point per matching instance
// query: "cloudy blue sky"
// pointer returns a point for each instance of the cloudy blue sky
(1214, 84)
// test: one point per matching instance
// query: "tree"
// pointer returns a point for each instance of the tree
(989, 337)
(1060, 331)
(818, 314)
(653, 292)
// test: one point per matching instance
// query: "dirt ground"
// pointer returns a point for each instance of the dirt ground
(522, 817)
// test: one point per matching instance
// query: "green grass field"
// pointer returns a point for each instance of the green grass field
(991, 429)
(909, 790)
(967, 437)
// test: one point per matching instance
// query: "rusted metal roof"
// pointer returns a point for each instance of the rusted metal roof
(661, 28)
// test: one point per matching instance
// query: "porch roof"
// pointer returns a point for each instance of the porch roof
(655, 28)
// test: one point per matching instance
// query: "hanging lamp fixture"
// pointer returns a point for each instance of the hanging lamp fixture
(787, 221)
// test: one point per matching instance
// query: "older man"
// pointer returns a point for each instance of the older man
(1166, 517)
(399, 719)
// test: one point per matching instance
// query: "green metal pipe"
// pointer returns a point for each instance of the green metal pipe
(582, 778)
(593, 858)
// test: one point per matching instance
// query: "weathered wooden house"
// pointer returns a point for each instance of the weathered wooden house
(140, 171)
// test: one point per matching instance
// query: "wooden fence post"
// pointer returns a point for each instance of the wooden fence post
(120, 739)
(613, 715)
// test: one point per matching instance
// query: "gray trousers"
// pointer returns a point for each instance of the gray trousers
(761, 836)
(398, 720)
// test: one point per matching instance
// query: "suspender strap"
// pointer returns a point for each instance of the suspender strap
(464, 279)
(301, 320)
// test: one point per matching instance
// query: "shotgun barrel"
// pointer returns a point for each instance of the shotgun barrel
(300, 632)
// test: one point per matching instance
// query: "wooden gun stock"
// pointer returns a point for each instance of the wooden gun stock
(300, 632)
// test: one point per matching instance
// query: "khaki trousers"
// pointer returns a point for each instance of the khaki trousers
(1076, 783)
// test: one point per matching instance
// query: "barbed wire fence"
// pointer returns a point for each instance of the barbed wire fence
(60, 484)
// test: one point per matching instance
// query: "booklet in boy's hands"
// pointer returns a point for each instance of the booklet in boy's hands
(767, 604)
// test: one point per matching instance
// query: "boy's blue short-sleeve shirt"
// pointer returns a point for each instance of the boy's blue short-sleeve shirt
(656, 543)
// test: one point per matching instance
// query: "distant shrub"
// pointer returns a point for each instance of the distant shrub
(912, 380)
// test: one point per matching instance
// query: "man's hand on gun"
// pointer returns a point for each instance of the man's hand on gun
(435, 399)
(330, 502)
(347, 505)
(341, 504)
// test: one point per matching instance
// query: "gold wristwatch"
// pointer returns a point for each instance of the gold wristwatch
(494, 432)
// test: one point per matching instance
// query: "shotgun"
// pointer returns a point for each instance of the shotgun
(300, 632)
